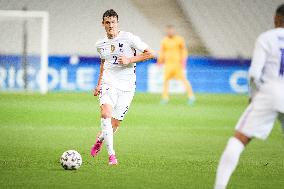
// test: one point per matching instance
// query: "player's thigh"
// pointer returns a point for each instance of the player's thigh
(107, 98)
(168, 75)
(123, 103)
(169, 72)
(106, 111)
(258, 118)
(180, 75)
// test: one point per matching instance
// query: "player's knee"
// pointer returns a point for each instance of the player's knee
(105, 114)
(106, 111)
(241, 137)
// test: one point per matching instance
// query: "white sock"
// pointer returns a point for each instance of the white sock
(101, 136)
(228, 162)
(108, 135)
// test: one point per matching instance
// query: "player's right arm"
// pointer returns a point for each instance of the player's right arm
(98, 87)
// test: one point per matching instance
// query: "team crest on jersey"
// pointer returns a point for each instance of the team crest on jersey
(112, 48)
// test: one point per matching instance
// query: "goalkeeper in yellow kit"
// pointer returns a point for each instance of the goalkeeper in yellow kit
(173, 54)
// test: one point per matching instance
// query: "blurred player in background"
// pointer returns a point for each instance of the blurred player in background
(173, 54)
(267, 98)
(117, 79)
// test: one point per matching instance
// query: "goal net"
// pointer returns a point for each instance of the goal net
(24, 51)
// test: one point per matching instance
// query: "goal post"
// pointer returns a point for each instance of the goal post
(26, 15)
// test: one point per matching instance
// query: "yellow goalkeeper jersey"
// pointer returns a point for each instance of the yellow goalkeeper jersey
(172, 52)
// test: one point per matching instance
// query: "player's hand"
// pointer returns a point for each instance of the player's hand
(97, 90)
(123, 60)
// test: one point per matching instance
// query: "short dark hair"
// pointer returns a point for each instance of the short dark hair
(110, 13)
(280, 10)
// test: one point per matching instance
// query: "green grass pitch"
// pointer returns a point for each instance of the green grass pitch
(158, 146)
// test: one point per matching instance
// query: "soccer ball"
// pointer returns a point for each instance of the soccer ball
(71, 160)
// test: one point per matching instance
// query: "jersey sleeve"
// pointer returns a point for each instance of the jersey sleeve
(99, 50)
(258, 59)
(100, 55)
(137, 43)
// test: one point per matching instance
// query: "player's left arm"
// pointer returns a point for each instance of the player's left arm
(137, 43)
(146, 55)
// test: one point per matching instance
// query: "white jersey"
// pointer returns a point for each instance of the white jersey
(267, 69)
(122, 77)
(268, 58)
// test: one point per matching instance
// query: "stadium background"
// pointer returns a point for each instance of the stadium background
(216, 34)
(158, 146)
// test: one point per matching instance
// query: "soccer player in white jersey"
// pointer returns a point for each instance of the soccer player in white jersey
(117, 79)
(266, 75)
